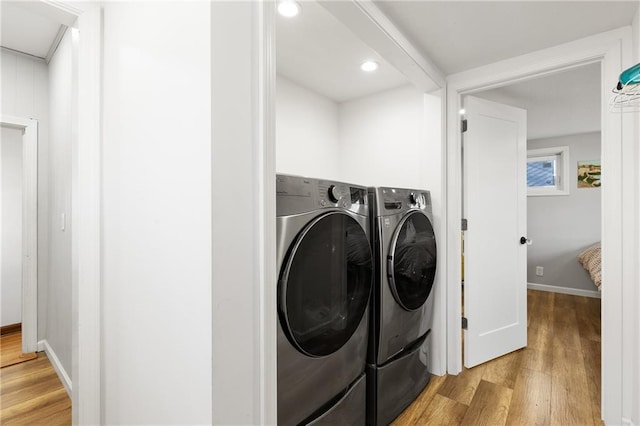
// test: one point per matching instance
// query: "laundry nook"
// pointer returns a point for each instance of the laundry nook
(320, 212)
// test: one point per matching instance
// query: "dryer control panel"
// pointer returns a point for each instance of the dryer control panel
(390, 201)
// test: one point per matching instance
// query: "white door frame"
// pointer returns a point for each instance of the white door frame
(29, 274)
(243, 164)
(86, 22)
(612, 50)
(86, 207)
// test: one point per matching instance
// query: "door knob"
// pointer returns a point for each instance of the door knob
(524, 240)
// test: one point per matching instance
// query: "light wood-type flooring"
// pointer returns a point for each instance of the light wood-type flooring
(11, 353)
(31, 392)
(555, 380)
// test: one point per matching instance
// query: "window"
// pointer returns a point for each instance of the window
(548, 171)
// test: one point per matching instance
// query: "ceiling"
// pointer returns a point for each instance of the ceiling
(460, 35)
(560, 104)
(318, 52)
(24, 30)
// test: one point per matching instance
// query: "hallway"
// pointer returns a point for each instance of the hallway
(31, 392)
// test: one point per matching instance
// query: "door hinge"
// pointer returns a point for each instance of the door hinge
(465, 224)
(464, 323)
(463, 125)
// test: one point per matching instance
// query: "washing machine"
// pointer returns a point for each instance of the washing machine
(325, 266)
(404, 247)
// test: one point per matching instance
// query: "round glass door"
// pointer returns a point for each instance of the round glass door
(412, 265)
(325, 284)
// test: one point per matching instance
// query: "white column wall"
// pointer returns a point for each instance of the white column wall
(156, 266)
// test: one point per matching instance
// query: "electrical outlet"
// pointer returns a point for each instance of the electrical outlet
(539, 271)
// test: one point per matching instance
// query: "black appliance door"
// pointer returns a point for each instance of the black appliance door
(325, 283)
(411, 267)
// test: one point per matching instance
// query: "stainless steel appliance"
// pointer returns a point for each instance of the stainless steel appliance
(325, 269)
(404, 247)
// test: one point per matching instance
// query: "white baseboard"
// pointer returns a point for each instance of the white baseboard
(564, 290)
(43, 345)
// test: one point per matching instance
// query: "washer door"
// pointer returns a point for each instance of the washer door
(411, 267)
(325, 284)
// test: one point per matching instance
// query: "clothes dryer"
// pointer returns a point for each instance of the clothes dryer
(325, 278)
(404, 247)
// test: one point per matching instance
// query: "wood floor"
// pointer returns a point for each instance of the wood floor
(11, 353)
(31, 393)
(555, 380)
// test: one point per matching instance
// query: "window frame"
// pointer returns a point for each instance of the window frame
(561, 156)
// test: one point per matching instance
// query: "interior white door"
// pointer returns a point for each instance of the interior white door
(494, 200)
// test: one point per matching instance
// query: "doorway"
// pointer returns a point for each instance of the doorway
(11, 229)
(603, 49)
(79, 328)
(19, 228)
(563, 211)
(563, 219)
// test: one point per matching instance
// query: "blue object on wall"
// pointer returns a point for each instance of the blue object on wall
(630, 75)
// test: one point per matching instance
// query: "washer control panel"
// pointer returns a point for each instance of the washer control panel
(295, 194)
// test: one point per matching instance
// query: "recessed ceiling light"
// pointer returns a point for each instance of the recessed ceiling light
(289, 8)
(369, 66)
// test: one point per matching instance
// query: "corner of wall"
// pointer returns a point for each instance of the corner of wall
(58, 279)
(43, 345)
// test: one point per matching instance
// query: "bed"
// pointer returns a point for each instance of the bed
(590, 260)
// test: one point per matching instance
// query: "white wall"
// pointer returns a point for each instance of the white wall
(25, 93)
(363, 141)
(59, 307)
(307, 132)
(383, 139)
(562, 226)
(11, 225)
(156, 266)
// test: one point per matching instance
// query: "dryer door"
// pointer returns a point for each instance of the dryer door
(412, 261)
(325, 283)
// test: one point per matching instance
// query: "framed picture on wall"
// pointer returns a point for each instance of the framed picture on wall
(589, 174)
